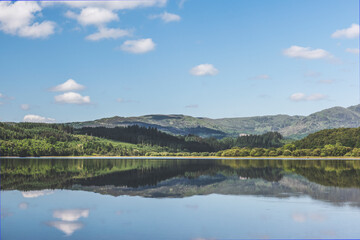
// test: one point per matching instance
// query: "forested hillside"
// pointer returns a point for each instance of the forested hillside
(148, 136)
(325, 143)
(40, 139)
(294, 127)
(37, 139)
(348, 137)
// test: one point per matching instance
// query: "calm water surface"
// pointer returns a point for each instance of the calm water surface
(179, 199)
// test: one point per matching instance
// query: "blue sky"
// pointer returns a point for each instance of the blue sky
(201, 58)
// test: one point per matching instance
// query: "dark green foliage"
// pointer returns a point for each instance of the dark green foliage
(148, 136)
(267, 140)
(326, 143)
(58, 132)
(38, 139)
(348, 137)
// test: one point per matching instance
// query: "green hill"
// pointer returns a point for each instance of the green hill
(289, 126)
(348, 137)
(42, 139)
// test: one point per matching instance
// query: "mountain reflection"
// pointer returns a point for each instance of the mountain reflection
(337, 181)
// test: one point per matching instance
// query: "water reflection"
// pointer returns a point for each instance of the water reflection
(69, 220)
(5, 213)
(23, 206)
(91, 216)
(66, 227)
(35, 194)
(336, 181)
(71, 215)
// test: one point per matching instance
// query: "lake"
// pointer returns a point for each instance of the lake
(193, 199)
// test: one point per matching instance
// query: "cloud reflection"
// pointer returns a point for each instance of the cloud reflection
(200, 238)
(5, 213)
(303, 217)
(298, 217)
(68, 217)
(35, 194)
(66, 227)
(71, 215)
(192, 206)
(23, 206)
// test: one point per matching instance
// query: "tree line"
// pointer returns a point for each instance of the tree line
(192, 143)
(40, 139)
(348, 137)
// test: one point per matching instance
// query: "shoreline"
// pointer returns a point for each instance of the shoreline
(182, 157)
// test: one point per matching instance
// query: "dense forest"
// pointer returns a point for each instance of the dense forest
(152, 136)
(270, 139)
(331, 142)
(40, 139)
(348, 137)
(148, 136)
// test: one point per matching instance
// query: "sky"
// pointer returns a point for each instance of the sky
(78, 61)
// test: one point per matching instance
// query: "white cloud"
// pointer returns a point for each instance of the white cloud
(303, 97)
(316, 97)
(121, 100)
(192, 106)
(297, 96)
(312, 74)
(306, 53)
(72, 98)
(351, 32)
(6, 97)
(181, 3)
(261, 77)
(99, 13)
(17, 18)
(37, 30)
(35, 194)
(37, 119)
(203, 70)
(138, 46)
(108, 33)
(352, 50)
(111, 5)
(167, 17)
(69, 85)
(25, 107)
(326, 81)
(93, 16)
(71, 215)
(66, 227)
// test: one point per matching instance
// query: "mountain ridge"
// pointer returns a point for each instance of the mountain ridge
(296, 126)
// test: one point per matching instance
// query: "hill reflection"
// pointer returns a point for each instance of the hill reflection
(337, 181)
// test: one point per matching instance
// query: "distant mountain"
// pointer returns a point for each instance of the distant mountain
(288, 126)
